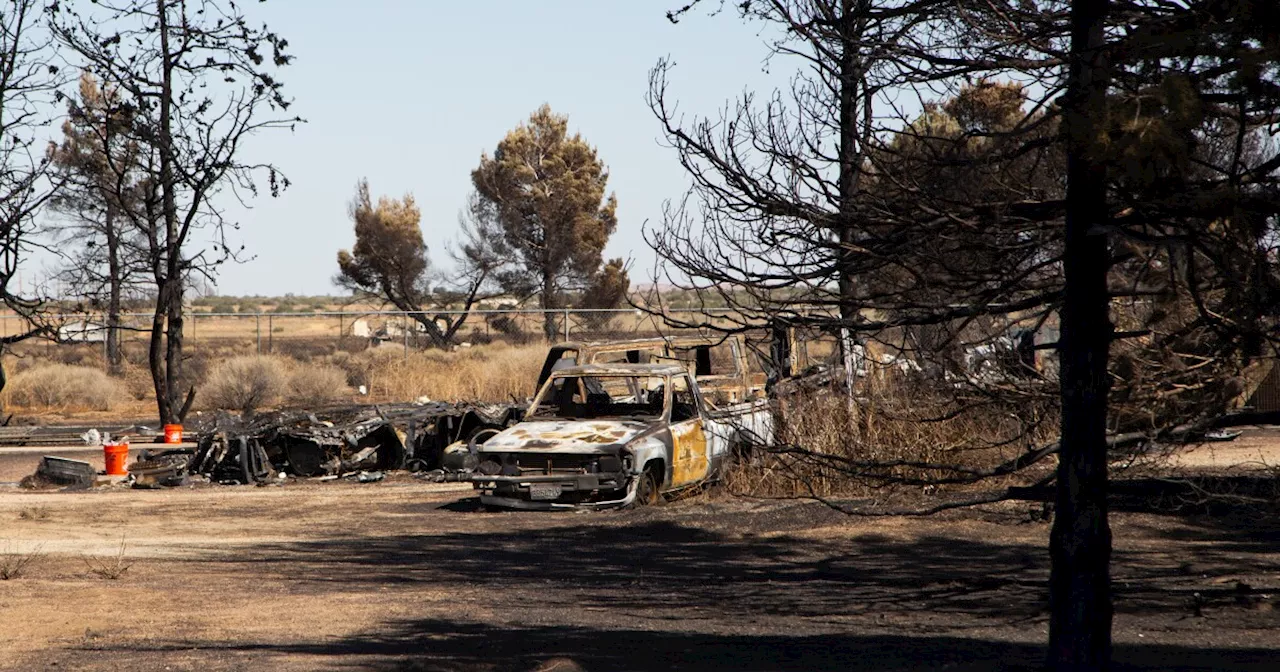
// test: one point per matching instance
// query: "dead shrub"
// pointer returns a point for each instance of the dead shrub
(13, 563)
(246, 383)
(110, 567)
(65, 387)
(897, 436)
(34, 513)
(316, 383)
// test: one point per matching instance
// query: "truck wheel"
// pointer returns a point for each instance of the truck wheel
(647, 490)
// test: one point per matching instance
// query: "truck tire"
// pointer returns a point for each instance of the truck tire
(647, 493)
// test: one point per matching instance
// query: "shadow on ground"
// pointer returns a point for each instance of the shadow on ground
(739, 591)
(440, 645)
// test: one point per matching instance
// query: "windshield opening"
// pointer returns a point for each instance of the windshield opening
(600, 396)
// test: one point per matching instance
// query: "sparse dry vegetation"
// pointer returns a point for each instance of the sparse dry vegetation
(495, 372)
(71, 378)
(14, 562)
(893, 436)
(246, 383)
(110, 567)
(315, 384)
(65, 387)
(34, 513)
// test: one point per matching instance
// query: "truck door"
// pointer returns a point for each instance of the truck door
(689, 450)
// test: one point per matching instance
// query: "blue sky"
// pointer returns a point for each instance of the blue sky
(408, 94)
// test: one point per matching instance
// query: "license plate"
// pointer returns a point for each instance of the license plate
(544, 491)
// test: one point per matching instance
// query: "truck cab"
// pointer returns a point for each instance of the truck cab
(722, 364)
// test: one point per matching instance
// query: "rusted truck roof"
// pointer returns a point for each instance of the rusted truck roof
(621, 369)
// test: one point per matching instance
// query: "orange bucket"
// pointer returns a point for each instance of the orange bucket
(173, 433)
(115, 454)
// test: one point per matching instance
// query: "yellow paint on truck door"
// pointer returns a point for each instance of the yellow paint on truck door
(689, 457)
(689, 450)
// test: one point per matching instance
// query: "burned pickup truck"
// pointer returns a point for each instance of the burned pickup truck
(614, 435)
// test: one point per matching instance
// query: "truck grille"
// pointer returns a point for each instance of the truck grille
(544, 464)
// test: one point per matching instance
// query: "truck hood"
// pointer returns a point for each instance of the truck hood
(567, 436)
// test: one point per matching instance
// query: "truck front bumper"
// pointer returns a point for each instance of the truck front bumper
(543, 492)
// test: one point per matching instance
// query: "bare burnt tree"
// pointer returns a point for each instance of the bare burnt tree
(27, 85)
(1131, 203)
(199, 80)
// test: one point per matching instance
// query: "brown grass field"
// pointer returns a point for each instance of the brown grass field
(499, 363)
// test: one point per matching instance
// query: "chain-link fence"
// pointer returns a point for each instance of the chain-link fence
(306, 335)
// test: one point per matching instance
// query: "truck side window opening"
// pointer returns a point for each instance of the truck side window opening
(702, 360)
(683, 405)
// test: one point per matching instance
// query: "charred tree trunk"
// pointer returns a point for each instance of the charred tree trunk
(166, 353)
(851, 73)
(1080, 542)
(173, 349)
(155, 354)
(115, 279)
(549, 304)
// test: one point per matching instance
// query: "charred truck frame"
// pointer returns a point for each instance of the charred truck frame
(602, 435)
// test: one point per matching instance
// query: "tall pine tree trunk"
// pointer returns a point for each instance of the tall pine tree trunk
(1080, 542)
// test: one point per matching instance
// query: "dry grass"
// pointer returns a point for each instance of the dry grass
(34, 513)
(64, 387)
(246, 383)
(897, 437)
(110, 567)
(491, 372)
(315, 383)
(253, 382)
(495, 372)
(14, 563)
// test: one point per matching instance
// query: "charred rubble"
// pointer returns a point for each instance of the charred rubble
(329, 442)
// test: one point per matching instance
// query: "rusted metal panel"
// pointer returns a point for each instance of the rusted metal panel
(690, 461)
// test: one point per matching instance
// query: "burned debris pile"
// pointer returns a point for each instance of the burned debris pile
(324, 443)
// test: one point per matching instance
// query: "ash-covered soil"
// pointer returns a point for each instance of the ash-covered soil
(405, 575)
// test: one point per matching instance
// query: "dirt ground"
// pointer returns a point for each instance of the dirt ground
(406, 575)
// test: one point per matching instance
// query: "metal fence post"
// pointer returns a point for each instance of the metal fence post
(257, 329)
(271, 333)
(566, 324)
(404, 323)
